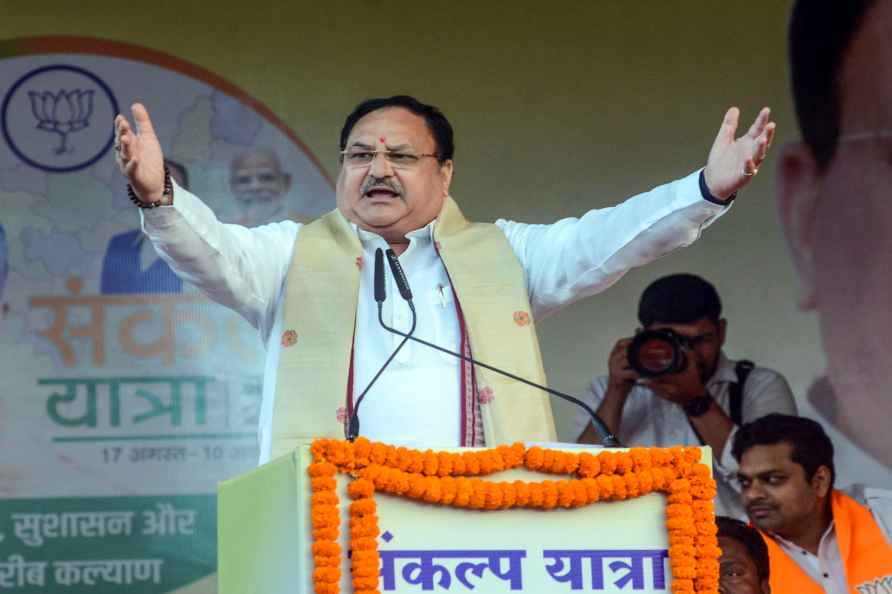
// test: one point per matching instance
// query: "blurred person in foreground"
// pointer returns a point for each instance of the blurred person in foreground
(835, 207)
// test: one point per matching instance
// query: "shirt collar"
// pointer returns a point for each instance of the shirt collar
(724, 372)
(829, 533)
(423, 235)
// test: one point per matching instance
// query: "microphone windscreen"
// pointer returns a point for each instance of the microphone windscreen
(380, 293)
(402, 283)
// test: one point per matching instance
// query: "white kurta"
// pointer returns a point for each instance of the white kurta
(416, 399)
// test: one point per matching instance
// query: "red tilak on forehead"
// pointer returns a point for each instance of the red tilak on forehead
(382, 140)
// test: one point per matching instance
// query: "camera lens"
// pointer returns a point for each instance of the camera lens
(656, 352)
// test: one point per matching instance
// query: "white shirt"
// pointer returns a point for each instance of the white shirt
(652, 421)
(827, 567)
(415, 400)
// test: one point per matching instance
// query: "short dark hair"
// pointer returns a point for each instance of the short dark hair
(750, 538)
(820, 34)
(439, 126)
(811, 446)
(679, 299)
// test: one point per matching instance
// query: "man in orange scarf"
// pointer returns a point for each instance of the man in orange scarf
(819, 539)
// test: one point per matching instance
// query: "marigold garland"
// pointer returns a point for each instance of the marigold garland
(451, 479)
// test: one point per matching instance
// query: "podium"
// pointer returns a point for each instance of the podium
(620, 543)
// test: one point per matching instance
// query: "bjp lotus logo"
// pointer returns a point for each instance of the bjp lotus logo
(62, 113)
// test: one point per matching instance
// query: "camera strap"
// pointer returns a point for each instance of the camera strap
(735, 395)
(735, 390)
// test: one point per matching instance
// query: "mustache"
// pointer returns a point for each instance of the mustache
(381, 182)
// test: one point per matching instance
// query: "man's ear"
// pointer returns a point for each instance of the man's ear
(446, 171)
(723, 331)
(797, 196)
(820, 481)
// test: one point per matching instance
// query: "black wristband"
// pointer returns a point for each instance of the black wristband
(707, 195)
(168, 191)
(698, 406)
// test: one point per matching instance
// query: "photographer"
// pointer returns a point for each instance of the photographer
(676, 386)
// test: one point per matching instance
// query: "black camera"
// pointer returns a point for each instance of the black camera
(658, 352)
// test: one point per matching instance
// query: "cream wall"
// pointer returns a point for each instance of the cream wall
(557, 107)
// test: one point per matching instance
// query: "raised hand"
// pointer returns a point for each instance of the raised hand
(733, 162)
(139, 156)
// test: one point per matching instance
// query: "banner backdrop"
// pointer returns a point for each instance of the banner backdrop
(127, 396)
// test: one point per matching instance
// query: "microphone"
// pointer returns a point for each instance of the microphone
(608, 439)
(352, 430)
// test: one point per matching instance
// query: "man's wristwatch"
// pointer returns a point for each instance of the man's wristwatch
(698, 406)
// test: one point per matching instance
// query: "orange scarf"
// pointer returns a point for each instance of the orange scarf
(865, 553)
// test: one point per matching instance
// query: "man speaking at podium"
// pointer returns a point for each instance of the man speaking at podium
(477, 287)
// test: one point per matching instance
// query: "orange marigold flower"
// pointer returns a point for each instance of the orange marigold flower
(592, 492)
(360, 488)
(509, 495)
(608, 462)
(321, 469)
(605, 486)
(327, 574)
(679, 486)
(645, 482)
(495, 497)
(641, 458)
(692, 454)
(549, 495)
(323, 484)
(472, 463)
(684, 572)
(537, 495)
(463, 493)
(324, 498)
(379, 453)
(430, 463)
(458, 464)
(706, 528)
(363, 544)
(680, 540)
(682, 586)
(416, 486)
(522, 491)
(676, 510)
(365, 583)
(326, 549)
(624, 463)
(632, 485)
(580, 496)
(326, 561)
(534, 458)
(327, 533)
(365, 556)
(589, 467)
(680, 498)
(619, 487)
(363, 507)
(566, 496)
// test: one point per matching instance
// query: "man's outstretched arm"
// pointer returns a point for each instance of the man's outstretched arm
(578, 257)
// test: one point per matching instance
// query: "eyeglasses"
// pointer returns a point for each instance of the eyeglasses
(399, 160)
